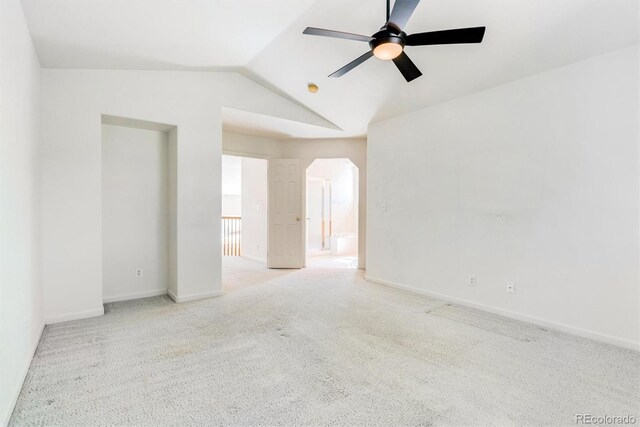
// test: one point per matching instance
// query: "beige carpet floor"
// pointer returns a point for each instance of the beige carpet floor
(317, 347)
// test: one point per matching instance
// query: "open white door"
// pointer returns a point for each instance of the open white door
(285, 214)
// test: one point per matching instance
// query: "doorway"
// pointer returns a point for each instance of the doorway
(332, 214)
(244, 220)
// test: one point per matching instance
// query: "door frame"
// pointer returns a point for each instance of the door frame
(249, 155)
(360, 165)
(326, 184)
(307, 162)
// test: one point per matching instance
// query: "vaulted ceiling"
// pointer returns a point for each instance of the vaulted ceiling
(263, 40)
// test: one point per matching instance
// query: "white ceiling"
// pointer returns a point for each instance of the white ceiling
(263, 39)
(256, 124)
(156, 34)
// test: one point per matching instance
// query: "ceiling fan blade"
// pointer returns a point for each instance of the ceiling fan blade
(402, 11)
(407, 67)
(336, 34)
(351, 65)
(457, 36)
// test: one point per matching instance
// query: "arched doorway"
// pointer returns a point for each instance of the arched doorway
(332, 196)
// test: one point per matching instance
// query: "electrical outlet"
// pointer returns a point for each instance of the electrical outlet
(471, 281)
(138, 272)
(511, 287)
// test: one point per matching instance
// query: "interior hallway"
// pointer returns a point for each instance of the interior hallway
(317, 346)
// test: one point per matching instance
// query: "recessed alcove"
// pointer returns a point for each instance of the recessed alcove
(138, 208)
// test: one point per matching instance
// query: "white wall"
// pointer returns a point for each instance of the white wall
(21, 320)
(231, 185)
(172, 143)
(535, 181)
(254, 209)
(72, 104)
(231, 205)
(135, 212)
(237, 144)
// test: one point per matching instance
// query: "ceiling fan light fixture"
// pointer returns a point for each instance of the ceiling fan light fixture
(389, 42)
(387, 51)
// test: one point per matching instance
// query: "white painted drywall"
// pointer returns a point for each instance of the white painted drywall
(237, 144)
(254, 209)
(231, 185)
(535, 181)
(135, 212)
(21, 320)
(231, 205)
(72, 104)
(344, 192)
(172, 142)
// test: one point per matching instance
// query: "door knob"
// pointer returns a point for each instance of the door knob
(297, 218)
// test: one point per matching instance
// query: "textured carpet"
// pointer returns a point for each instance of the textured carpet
(326, 260)
(317, 346)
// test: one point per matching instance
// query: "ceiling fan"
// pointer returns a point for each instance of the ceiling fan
(390, 41)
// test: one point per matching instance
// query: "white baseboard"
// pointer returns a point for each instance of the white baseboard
(135, 295)
(597, 336)
(193, 297)
(75, 316)
(23, 374)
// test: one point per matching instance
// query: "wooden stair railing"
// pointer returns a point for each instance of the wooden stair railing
(231, 233)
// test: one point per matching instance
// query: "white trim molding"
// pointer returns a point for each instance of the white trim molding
(23, 374)
(135, 295)
(194, 297)
(75, 316)
(609, 339)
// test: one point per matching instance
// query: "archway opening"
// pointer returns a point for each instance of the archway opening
(332, 196)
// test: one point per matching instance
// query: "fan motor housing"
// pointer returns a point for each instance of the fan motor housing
(389, 39)
(387, 35)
